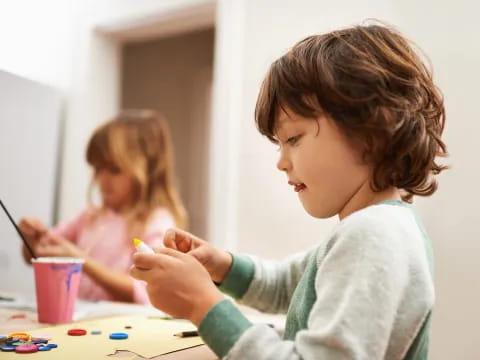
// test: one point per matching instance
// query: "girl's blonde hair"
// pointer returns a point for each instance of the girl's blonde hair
(138, 143)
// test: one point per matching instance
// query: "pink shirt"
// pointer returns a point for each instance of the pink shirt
(106, 240)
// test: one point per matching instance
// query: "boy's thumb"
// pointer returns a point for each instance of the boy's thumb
(201, 254)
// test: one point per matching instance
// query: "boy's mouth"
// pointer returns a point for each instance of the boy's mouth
(297, 186)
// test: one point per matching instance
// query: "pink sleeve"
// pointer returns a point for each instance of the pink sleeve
(71, 228)
(140, 295)
(160, 222)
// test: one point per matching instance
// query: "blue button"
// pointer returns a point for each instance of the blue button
(7, 348)
(44, 348)
(11, 341)
(51, 346)
(118, 336)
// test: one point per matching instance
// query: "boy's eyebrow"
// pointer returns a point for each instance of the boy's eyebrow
(279, 125)
(283, 118)
(277, 132)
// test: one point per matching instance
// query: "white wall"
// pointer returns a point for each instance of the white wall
(448, 36)
(174, 76)
(269, 219)
(31, 43)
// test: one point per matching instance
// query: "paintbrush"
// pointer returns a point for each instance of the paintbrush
(30, 250)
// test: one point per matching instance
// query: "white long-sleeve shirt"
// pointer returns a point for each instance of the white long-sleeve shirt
(365, 293)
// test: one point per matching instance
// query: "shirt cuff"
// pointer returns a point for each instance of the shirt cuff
(239, 277)
(222, 327)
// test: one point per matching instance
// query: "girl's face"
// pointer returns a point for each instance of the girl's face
(324, 168)
(116, 187)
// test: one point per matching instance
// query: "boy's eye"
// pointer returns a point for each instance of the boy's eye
(293, 140)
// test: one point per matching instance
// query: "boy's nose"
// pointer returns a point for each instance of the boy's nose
(283, 164)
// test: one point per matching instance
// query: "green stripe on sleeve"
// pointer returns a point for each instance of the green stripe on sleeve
(222, 327)
(238, 279)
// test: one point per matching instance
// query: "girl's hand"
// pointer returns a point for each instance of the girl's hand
(217, 262)
(32, 228)
(54, 245)
(176, 283)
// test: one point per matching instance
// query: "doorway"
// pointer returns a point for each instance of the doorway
(173, 75)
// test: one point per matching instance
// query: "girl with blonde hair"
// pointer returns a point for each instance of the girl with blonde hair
(132, 159)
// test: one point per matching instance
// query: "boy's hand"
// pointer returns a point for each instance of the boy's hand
(176, 283)
(217, 262)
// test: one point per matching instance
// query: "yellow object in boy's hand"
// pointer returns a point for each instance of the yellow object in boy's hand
(142, 247)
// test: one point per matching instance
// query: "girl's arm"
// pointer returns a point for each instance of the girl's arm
(70, 228)
(119, 286)
(160, 221)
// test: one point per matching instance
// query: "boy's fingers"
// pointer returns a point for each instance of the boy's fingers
(144, 261)
(178, 240)
(139, 274)
(200, 253)
(169, 239)
(161, 259)
(170, 252)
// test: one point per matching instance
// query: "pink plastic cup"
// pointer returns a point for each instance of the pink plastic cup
(56, 283)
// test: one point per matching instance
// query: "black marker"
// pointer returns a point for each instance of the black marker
(187, 333)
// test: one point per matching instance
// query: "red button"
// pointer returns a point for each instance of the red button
(76, 332)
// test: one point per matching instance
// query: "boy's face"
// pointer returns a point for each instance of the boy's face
(324, 168)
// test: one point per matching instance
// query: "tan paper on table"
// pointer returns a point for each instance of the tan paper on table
(148, 337)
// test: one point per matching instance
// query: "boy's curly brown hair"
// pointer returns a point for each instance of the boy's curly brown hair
(371, 82)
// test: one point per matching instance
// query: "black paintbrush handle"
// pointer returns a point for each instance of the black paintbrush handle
(30, 250)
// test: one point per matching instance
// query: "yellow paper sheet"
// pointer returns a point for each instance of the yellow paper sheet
(148, 337)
